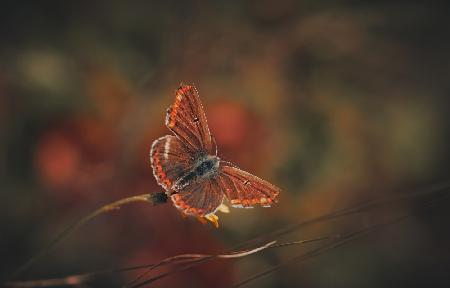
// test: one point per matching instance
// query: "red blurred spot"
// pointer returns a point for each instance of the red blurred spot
(57, 159)
(241, 136)
(73, 155)
(229, 123)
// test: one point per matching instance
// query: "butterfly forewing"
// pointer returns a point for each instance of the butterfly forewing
(199, 198)
(244, 189)
(186, 119)
(170, 159)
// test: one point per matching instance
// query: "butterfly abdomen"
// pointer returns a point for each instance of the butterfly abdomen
(204, 168)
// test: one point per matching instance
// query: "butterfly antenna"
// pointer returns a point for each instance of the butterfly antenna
(213, 139)
(229, 163)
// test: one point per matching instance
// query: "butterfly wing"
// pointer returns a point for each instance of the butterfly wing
(244, 189)
(169, 159)
(187, 120)
(200, 198)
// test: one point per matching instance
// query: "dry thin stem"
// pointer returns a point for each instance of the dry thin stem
(191, 257)
(75, 280)
(359, 208)
(238, 254)
(363, 207)
(348, 238)
(153, 199)
(200, 258)
(318, 251)
(194, 261)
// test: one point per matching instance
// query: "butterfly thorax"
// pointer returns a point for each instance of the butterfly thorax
(205, 166)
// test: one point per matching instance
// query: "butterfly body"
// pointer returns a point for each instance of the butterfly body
(205, 167)
(186, 165)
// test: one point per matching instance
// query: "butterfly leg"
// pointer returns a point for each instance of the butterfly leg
(223, 208)
(213, 219)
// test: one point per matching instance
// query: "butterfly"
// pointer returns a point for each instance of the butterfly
(186, 165)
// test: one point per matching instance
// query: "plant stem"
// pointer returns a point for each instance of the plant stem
(154, 199)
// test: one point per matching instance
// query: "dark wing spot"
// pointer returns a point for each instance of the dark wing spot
(246, 182)
(196, 120)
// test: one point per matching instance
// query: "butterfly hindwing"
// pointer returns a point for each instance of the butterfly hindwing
(244, 189)
(169, 159)
(187, 120)
(199, 198)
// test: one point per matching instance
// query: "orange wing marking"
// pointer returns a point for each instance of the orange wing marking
(247, 203)
(160, 172)
(179, 96)
(188, 210)
(180, 204)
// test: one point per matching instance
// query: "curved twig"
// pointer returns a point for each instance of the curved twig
(79, 279)
(362, 207)
(153, 199)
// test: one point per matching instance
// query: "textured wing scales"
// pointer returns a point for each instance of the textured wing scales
(169, 159)
(244, 189)
(199, 198)
(187, 120)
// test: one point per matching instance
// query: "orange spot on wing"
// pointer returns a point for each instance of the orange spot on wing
(250, 202)
(178, 97)
(185, 208)
(160, 172)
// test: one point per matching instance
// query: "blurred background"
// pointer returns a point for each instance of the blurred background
(335, 103)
